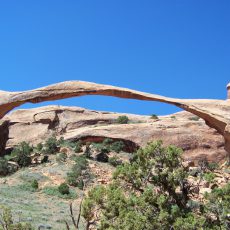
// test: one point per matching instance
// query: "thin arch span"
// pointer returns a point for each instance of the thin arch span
(216, 113)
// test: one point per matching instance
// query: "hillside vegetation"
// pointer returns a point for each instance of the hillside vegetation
(153, 188)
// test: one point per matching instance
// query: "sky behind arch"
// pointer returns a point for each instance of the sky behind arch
(172, 48)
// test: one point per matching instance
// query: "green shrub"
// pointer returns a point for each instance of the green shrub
(54, 191)
(51, 146)
(75, 176)
(107, 141)
(195, 172)
(61, 142)
(63, 189)
(28, 187)
(34, 184)
(117, 146)
(154, 116)
(81, 162)
(122, 120)
(80, 184)
(114, 161)
(61, 157)
(4, 169)
(212, 166)
(203, 164)
(108, 145)
(218, 207)
(99, 146)
(153, 192)
(39, 147)
(68, 144)
(73, 156)
(87, 152)
(209, 177)
(194, 118)
(21, 154)
(103, 150)
(7, 221)
(78, 147)
(72, 178)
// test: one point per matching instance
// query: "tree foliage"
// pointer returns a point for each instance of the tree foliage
(51, 145)
(4, 169)
(78, 172)
(7, 222)
(63, 189)
(122, 120)
(153, 192)
(21, 154)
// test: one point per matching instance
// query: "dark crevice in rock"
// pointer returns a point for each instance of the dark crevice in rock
(130, 146)
(4, 135)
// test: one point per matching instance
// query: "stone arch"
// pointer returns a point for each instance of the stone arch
(216, 113)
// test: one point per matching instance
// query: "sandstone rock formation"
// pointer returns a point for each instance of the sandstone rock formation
(35, 125)
(214, 112)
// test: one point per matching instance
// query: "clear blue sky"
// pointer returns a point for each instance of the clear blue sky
(174, 48)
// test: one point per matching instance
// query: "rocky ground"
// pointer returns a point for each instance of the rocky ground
(49, 210)
(44, 208)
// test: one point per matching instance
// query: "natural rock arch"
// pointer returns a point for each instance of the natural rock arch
(216, 113)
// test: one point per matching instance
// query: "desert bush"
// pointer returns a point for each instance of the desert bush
(51, 146)
(212, 166)
(34, 184)
(61, 141)
(154, 117)
(114, 161)
(122, 120)
(194, 118)
(218, 206)
(21, 154)
(80, 184)
(28, 187)
(78, 146)
(73, 178)
(107, 141)
(76, 175)
(54, 191)
(108, 145)
(117, 146)
(99, 146)
(153, 192)
(61, 157)
(39, 147)
(4, 169)
(209, 177)
(87, 152)
(203, 164)
(81, 162)
(63, 189)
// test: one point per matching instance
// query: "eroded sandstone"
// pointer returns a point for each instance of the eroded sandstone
(74, 123)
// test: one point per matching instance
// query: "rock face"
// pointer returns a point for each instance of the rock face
(182, 129)
(216, 113)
